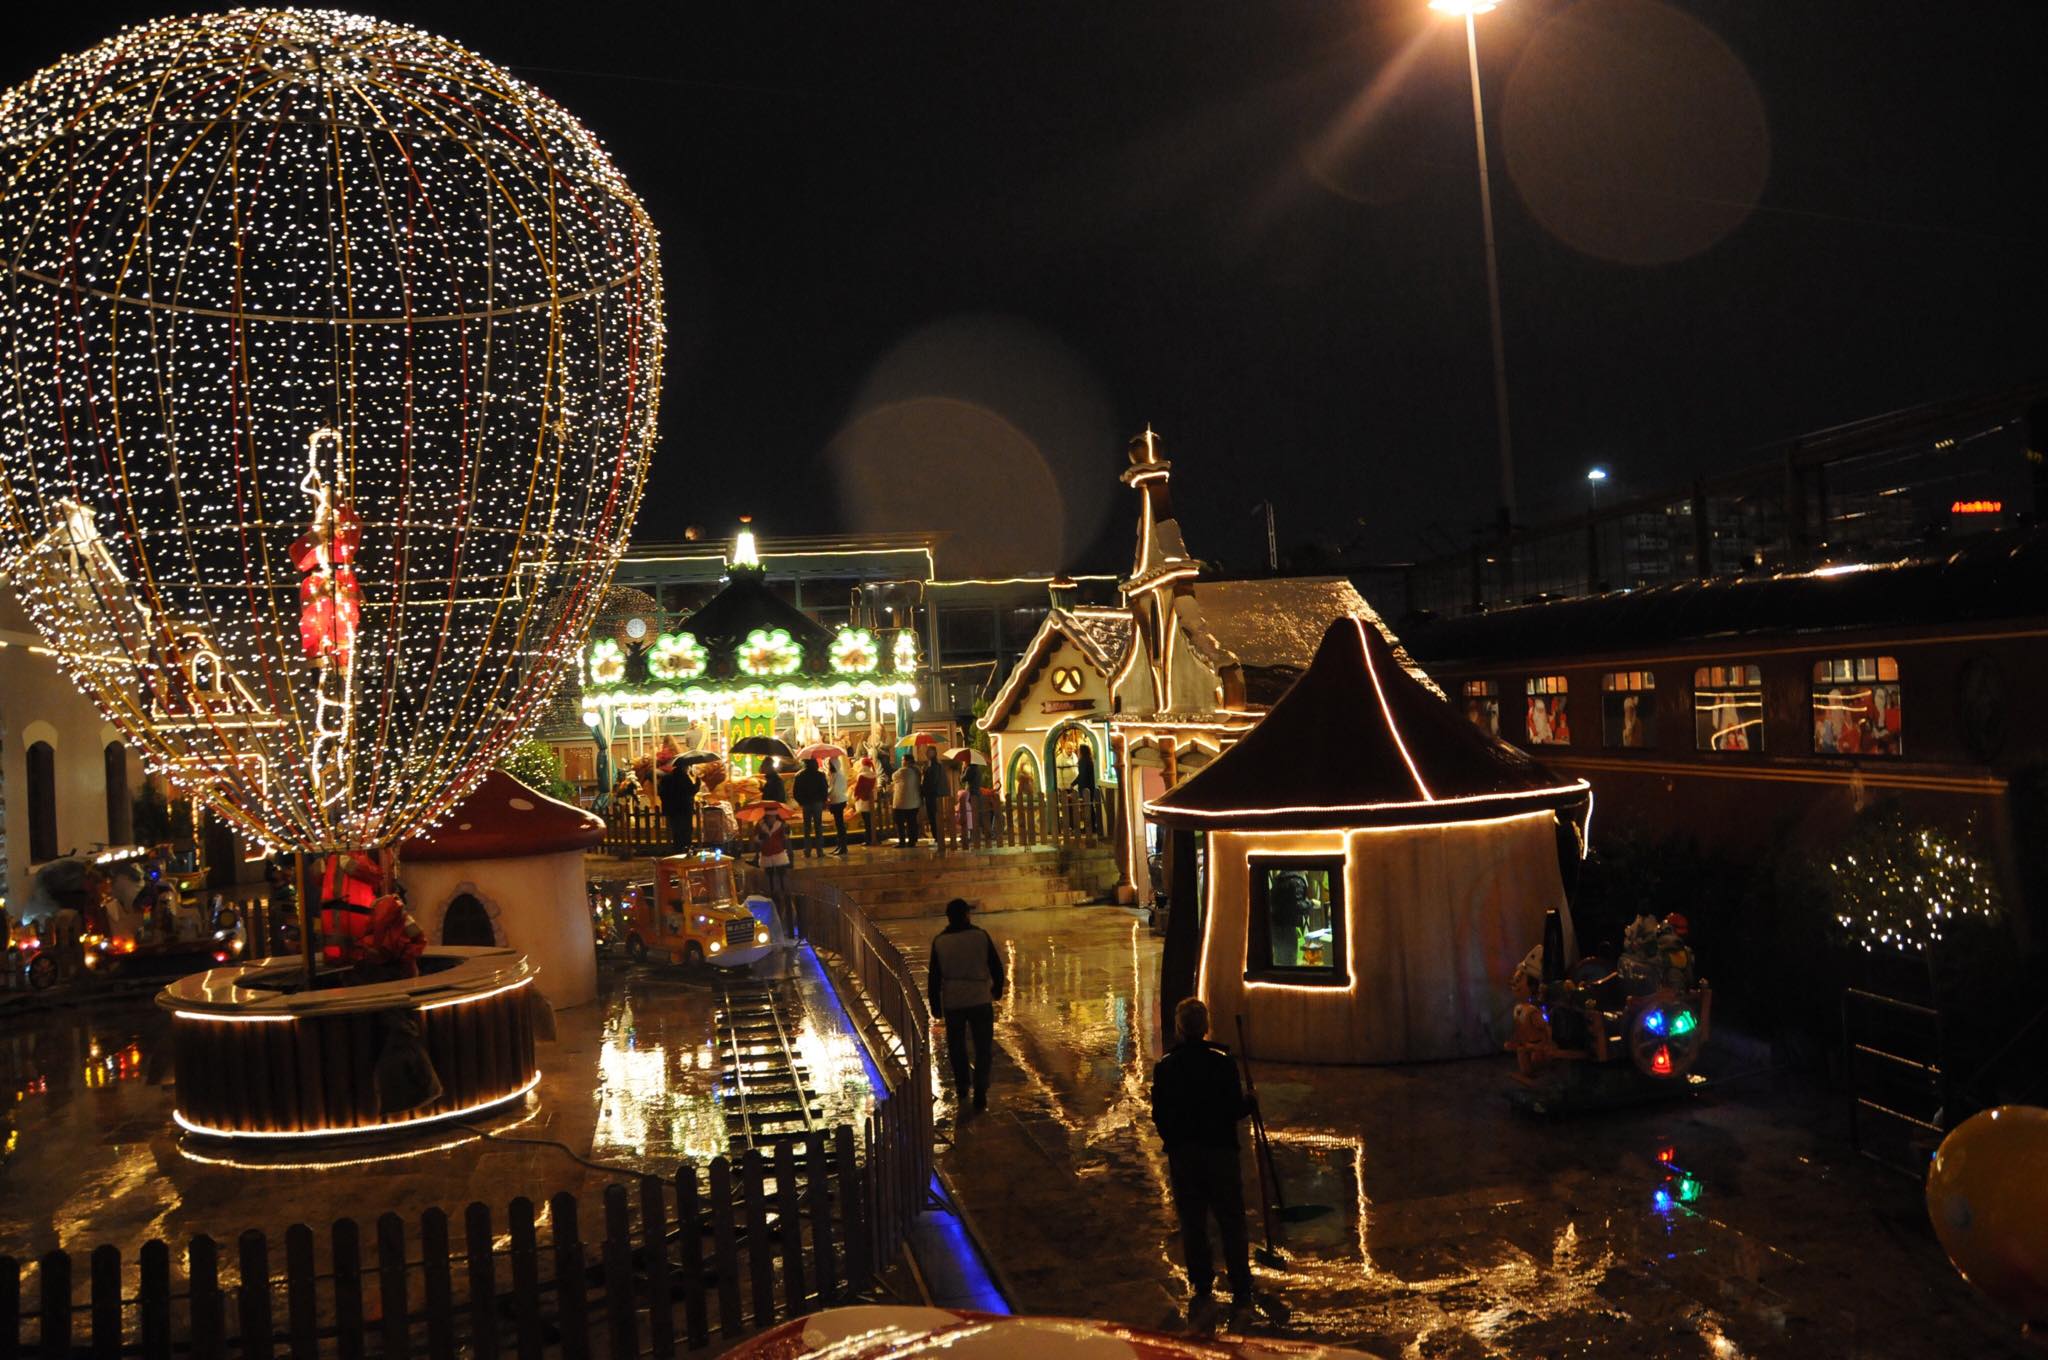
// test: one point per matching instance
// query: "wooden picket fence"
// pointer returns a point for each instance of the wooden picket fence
(681, 1264)
(1060, 820)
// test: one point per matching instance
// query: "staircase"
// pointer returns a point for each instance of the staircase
(889, 886)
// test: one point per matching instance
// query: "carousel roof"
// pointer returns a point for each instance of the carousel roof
(503, 818)
(746, 604)
(1359, 742)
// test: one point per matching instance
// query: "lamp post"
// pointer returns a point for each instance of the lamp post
(1468, 10)
(1594, 476)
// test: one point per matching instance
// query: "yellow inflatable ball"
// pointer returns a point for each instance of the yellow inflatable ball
(1988, 1197)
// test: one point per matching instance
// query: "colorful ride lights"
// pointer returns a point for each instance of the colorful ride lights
(1679, 1188)
(1660, 1061)
(1656, 1022)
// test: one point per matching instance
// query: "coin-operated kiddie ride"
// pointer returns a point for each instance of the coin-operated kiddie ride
(338, 519)
(689, 913)
(1609, 1032)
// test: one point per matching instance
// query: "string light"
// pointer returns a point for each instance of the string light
(770, 651)
(1902, 887)
(332, 360)
(677, 656)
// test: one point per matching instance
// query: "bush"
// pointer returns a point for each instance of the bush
(538, 765)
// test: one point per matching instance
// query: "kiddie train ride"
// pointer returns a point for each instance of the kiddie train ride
(340, 518)
(1609, 1032)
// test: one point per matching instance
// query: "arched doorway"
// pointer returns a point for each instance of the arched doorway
(1022, 776)
(467, 921)
(120, 802)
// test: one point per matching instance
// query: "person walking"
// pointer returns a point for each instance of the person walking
(677, 790)
(904, 798)
(771, 845)
(1084, 784)
(937, 789)
(966, 979)
(1196, 1103)
(835, 798)
(812, 791)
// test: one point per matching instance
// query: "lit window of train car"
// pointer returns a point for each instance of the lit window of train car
(1728, 707)
(1856, 706)
(1546, 721)
(1482, 705)
(1628, 709)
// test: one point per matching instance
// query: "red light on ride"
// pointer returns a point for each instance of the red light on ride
(1976, 507)
(1660, 1062)
(1667, 1155)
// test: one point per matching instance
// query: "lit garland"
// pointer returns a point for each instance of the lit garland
(677, 656)
(770, 651)
(607, 663)
(1900, 886)
(332, 351)
(906, 652)
(854, 653)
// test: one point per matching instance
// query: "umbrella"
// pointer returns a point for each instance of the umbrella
(763, 746)
(821, 751)
(916, 739)
(753, 812)
(967, 753)
(696, 758)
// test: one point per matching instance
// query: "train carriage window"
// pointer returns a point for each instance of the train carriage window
(1295, 929)
(1545, 721)
(1856, 706)
(1728, 707)
(1628, 709)
(1482, 704)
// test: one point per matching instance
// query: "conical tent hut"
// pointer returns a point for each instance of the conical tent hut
(1376, 866)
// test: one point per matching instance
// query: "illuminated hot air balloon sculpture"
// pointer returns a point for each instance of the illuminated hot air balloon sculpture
(330, 356)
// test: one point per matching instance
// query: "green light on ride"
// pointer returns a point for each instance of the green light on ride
(1683, 1024)
(1688, 1189)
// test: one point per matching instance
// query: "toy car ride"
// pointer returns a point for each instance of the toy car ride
(689, 914)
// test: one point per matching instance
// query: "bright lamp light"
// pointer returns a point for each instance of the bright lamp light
(1463, 7)
(1597, 474)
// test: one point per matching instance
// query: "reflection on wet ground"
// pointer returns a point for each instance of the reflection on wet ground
(88, 1153)
(1734, 1224)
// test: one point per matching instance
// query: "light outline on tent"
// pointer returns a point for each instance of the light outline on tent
(1387, 709)
(1577, 786)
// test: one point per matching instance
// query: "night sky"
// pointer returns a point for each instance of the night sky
(931, 266)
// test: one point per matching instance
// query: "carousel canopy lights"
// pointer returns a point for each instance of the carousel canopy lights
(333, 355)
(677, 656)
(770, 651)
(854, 652)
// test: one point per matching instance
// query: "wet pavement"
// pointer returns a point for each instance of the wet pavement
(1735, 1223)
(88, 1153)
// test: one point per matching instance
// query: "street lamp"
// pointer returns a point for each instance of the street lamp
(1594, 476)
(1468, 10)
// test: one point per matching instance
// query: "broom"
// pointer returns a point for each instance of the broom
(1272, 1197)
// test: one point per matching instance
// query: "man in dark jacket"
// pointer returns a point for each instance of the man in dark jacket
(678, 793)
(937, 789)
(812, 791)
(1196, 1103)
(966, 980)
(1084, 784)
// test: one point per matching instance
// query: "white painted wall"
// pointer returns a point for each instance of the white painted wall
(38, 702)
(538, 904)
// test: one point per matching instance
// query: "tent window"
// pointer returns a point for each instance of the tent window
(1295, 929)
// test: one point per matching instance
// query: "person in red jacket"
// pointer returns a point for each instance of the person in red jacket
(771, 843)
(349, 886)
(392, 947)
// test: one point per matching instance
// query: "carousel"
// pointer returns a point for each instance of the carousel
(320, 568)
(747, 674)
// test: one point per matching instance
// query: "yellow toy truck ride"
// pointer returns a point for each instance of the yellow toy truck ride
(690, 914)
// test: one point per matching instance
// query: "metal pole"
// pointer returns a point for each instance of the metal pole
(1272, 543)
(1500, 361)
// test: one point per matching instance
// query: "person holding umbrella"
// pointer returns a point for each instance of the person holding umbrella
(771, 845)
(771, 781)
(813, 791)
(677, 789)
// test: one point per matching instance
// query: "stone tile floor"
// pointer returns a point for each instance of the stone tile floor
(1458, 1227)
(88, 1153)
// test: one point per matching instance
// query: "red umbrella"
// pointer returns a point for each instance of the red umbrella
(967, 753)
(753, 812)
(821, 752)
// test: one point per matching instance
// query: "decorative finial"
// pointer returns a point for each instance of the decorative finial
(744, 554)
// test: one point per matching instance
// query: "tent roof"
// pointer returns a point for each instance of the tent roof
(503, 818)
(1357, 742)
